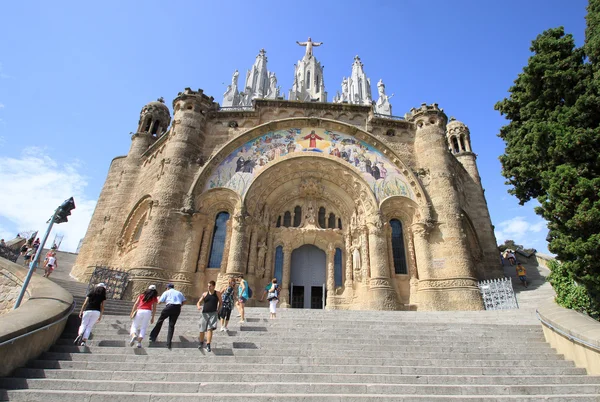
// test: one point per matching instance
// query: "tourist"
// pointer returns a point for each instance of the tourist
(272, 293)
(23, 249)
(242, 297)
(50, 264)
(91, 313)
(28, 256)
(174, 300)
(2, 243)
(226, 304)
(511, 257)
(522, 274)
(209, 304)
(142, 313)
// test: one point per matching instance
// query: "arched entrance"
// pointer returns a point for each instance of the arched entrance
(308, 277)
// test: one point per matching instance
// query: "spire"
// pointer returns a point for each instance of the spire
(356, 89)
(260, 84)
(309, 84)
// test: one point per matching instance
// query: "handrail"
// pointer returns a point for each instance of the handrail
(566, 335)
(66, 316)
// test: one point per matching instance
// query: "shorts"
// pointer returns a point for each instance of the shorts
(273, 306)
(242, 300)
(208, 322)
(50, 267)
(523, 278)
(225, 313)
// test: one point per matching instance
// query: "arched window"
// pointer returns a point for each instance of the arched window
(337, 267)
(297, 216)
(455, 145)
(331, 222)
(139, 228)
(287, 219)
(278, 221)
(155, 127)
(322, 218)
(398, 247)
(340, 223)
(218, 240)
(308, 80)
(148, 124)
(279, 264)
(462, 143)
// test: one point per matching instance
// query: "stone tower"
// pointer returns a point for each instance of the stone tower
(309, 84)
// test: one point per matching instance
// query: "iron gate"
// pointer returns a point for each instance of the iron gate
(498, 294)
(115, 279)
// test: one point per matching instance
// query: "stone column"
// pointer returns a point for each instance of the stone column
(330, 278)
(364, 254)
(236, 260)
(226, 249)
(204, 248)
(261, 271)
(253, 252)
(192, 246)
(348, 251)
(383, 296)
(285, 286)
(269, 266)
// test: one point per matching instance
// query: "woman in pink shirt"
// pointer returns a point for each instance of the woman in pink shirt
(142, 313)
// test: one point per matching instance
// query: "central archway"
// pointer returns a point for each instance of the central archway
(308, 277)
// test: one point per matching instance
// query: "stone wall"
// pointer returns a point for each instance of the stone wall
(10, 286)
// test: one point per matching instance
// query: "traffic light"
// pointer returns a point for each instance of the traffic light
(64, 211)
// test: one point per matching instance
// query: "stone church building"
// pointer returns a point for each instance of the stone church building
(347, 205)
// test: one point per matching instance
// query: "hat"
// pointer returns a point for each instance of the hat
(152, 287)
(101, 285)
(170, 286)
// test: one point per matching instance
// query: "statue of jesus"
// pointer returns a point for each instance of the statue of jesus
(309, 46)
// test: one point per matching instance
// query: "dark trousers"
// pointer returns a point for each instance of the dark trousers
(171, 311)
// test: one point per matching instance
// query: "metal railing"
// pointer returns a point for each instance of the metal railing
(236, 109)
(47, 326)
(386, 116)
(115, 279)
(566, 335)
(498, 294)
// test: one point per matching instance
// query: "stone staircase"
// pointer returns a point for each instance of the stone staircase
(312, 355)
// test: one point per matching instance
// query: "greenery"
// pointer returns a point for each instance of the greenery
(553, 147)
(510, 244)
(568, 293)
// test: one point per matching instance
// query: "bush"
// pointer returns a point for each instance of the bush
(569, 294)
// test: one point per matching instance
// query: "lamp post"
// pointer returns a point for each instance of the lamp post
(60, 215)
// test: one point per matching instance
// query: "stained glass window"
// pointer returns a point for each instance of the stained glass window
(279, 264)
(322, 218)
(218, 240)
(398, 247)
(337, 267)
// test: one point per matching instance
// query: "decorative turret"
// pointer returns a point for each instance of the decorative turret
(260, 84)
(459, 143)
(356, 89)
(458, 136)
(309, 84)
(154, 118)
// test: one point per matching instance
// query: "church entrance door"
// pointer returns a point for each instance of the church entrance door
(308, 273)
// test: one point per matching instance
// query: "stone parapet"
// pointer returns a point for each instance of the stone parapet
(47, 304)
(572, 334)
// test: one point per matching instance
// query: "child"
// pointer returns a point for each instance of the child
(522, 274)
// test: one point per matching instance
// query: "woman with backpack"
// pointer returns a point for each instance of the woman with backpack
(226, 304)
(142, 313)
(91, 313)
(272, 293)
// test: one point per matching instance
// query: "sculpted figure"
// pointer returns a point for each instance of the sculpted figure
(383, 105)
(273, 90)
(309, 46)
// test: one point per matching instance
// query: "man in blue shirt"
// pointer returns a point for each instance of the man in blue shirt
(174, 300)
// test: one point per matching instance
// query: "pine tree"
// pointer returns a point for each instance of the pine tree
(553, 145)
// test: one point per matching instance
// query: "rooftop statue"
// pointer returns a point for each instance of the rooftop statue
(383, 105)
(309, 46)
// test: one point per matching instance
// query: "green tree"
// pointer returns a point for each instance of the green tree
(553, 145)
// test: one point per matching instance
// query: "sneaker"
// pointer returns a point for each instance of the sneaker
(82, 343)
(242, 321)
(132, 341)
(77, 340)
(200, 346)
(139, 345)
(208, 347)
(226, 329)
(169, 346)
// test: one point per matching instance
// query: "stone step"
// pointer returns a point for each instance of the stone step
(227, 356)
(269, 376)
(178, 353)
(215, 365)
(84, 396)
(297, 387)
(324, 344)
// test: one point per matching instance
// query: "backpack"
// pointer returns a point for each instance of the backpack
(249, 292)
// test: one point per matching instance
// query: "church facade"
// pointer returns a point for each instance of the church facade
(348, 206)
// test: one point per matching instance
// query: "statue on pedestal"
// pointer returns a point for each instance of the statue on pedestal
(383, 105)
(309, 47)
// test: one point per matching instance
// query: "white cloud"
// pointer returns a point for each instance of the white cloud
(33, 186)
(523, 232)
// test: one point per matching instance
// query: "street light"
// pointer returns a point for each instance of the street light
(60, 216)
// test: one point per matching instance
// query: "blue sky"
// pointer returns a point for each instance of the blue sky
(75, 75)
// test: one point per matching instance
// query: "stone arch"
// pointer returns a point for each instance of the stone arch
(204, 173)
(137, 218)
(217, 200)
